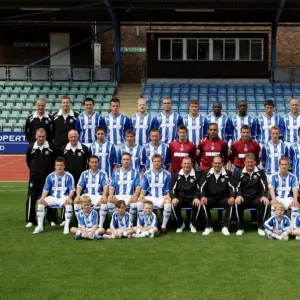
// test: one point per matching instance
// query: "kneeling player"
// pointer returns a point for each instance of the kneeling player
(120, 225)
(87, 222)
(147, 222)
(155, 188)
(296, 228)
(278, 227)
(60, 187)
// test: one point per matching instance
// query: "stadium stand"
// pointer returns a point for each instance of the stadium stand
(18, 99)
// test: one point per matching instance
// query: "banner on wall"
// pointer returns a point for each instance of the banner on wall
(13, 143)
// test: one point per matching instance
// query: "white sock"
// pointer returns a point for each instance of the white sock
(140, 206)
(166, 214)
(41, 215)
(77, 208)
(68, 215)
(103, 213)
(125, 234)
(111, 207)
(272, 211)
(294, 213)
(132, 212)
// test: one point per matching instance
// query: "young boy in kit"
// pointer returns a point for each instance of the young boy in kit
(147, 222)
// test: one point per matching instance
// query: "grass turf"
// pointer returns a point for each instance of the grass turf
(189, 266)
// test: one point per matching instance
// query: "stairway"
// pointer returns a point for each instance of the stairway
(128, 95)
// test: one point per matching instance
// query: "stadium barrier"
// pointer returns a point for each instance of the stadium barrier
(13, 143)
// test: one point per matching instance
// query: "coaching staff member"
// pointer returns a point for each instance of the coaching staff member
(217, 190)
(252, 191)
(185, 192)
(40, 158)
(39, 119)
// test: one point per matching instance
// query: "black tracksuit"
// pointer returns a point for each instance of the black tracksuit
(61, 127)
(252, 189)
(40, 164)
(33, 123)
(185, 189)
(217, 192)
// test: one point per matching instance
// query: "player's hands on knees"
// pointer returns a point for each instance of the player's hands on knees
(133, 199)
(112, 199)
(140, 199)
(295, 203)
(278, 231)
(42, 201)
(239, 200)
(203, 200)
(196, 202)
(231, 201)
(274, 201)
(103, 200)
(167, 199)
(175, 202)
(69, 201)
(265, 200)
(77, 200)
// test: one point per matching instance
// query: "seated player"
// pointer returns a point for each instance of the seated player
(125, 185)
(296, 228)
(155, 188)
(59, 186)
(284, 189)
(278, 227)
(120, 225)
(87, 222)
(93, 183)
(147, 222)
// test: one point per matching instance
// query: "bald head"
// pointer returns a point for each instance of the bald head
(40, 106)
(142, 106)
(73, 137)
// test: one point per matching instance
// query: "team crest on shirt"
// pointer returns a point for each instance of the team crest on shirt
(222, 179)
(71, 120)
(255, 176)
(46, 152)
(46, 121)
(79, 153)
(192, 180)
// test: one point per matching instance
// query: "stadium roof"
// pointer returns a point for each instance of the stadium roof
(139, 11)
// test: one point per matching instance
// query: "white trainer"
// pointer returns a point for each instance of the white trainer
(240, 232)
(297, 238)
(52, 224)
(66, 230)
(208, 231)
(180, 229)
(193, 228)
(261, 232)
(29, 225)
(225, 231)
(38, 230)
(62, 224)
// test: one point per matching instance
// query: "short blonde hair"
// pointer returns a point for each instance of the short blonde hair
(86, 199)
(279, 205)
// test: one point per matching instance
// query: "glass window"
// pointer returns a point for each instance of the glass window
(203, 50)
(177, 49)
(229, 49)
(165, 49)
(256, 51)
(244, 49)
(191, 48)
(218, 46)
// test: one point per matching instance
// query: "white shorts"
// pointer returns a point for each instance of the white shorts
(95, 198)
(56, 201)
(157, 202)
(285, 201)
(126, 198)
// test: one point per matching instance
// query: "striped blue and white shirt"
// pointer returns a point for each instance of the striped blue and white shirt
(107, 155)
(274, 223)
(125, 183)
(142, 126)
(135, 153)
(89, 220)
(271, 154)
(297, 222)
(283, 186)
(86, 126)
(264, 125)
(120, 222)
(116, 128)
(224, 125)
(156, 184)
(167, 125)
(59, 186)
(147, 220)
(197, 127)
(291, 127)
(93, 184)
(295, 159)
(149, 150)
(238, 122)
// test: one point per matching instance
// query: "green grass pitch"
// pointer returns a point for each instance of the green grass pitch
(176, 266)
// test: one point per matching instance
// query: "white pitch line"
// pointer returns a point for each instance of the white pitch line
(13, 191)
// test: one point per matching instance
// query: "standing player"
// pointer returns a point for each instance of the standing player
(167, 122)
(295, 157)
(240, 119)
(131, 147)
(39, 119)
(292, 123)
(181, 148)
(195, 123)
(266, 121)
(40, 160)
(155, 188)
(58, 190)
(87, 122)
(210, 147)
(105, 151)
(93, 183)
(116, 124)
(142, 123)
(272, 151)
(284, 189)
(224, 122)
(125, 185)
(240, 148)
(64, 121)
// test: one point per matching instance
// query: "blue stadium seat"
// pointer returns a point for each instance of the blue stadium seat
(185, 91)
(203, 91)
(157, 90)
(175, 90)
